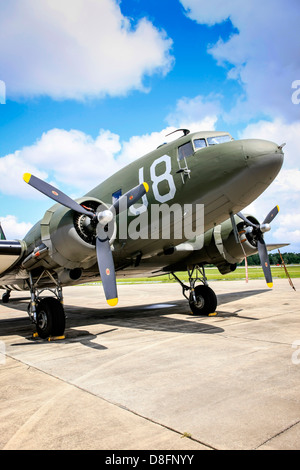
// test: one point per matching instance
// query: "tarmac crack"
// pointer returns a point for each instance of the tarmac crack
(278, 434)
(43, 409)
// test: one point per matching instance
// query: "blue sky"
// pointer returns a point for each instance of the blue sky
(93, 84)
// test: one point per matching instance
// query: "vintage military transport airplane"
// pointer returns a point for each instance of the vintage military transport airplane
(77, 240)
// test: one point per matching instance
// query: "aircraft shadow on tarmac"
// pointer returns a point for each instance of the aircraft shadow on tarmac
(155, 317)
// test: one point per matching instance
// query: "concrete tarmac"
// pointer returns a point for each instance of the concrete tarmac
(148, 375)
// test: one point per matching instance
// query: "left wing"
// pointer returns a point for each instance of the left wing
(11, 251)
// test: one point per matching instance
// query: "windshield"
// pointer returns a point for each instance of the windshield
(220, 139)
(185, 150)
(199, 143)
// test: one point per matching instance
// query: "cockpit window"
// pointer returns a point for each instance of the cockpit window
(185, 150)
(199, 143)
(220, 139)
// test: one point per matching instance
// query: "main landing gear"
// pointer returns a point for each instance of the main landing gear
(202, 299)
(47, 313)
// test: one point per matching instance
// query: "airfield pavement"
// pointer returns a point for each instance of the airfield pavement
(147, 375)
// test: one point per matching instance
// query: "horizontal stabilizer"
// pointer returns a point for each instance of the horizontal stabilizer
(271, 246)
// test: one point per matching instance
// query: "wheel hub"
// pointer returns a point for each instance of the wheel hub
(42, 320)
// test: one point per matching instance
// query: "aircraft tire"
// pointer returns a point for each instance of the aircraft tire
(5, 298)
(50, 318)
(206, 301)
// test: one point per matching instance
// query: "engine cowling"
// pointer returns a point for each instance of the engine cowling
(71, 237)
(218, 246)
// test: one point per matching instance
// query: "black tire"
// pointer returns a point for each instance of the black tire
(206, 301)
(51, 318)
(5, 298)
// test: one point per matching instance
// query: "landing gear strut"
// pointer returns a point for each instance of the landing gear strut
(47, 313)
(202, 299)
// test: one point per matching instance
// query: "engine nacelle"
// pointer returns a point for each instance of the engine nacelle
(71, 237)
(232, 253)
(219, 247)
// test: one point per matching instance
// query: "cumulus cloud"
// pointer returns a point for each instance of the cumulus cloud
(78, 162)
(261, 55)
(14, 229)
(198, 113)
(77, 49)
(70, 158)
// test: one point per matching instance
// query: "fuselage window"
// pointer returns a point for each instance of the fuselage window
(199, 144)
(220, 139)
(185, 150)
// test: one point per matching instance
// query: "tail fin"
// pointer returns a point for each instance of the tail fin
(2, 235)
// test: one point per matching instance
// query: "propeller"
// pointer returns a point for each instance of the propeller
(102, 219)
(256, 232)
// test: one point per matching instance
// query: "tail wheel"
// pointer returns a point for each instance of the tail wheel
(206, 301)
(50, 318)
(5, 297)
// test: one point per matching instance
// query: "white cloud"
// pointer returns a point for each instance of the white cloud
(77, 49)
(80, 162)
(209, 12)
(71, 158)
(262, 55)
(196, 114)
(14, 229)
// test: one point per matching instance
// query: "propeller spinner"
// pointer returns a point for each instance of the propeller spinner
(102, 218)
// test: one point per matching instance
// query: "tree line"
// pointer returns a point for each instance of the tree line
(288, 258)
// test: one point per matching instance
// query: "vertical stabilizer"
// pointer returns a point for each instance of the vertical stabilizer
(2, 236)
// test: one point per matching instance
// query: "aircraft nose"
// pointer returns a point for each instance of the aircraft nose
(265, 158)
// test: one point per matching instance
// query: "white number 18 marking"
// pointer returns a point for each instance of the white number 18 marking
(156, 179)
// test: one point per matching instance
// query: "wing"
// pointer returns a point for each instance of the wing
(10, 253)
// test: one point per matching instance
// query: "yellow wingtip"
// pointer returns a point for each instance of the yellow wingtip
(146, 186)
(278, 208)
(26, 177)
(112, 302)
(270, 284)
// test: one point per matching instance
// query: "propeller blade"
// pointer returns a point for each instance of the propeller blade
(130, 198)
(55, 194)
(248, 222)
(264, 260)
(107, 270)
(271, 216)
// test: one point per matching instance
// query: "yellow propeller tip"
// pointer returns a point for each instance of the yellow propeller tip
(146, 186)
(112, 302)
(278, 208)
(270, 284)
(26, 177)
